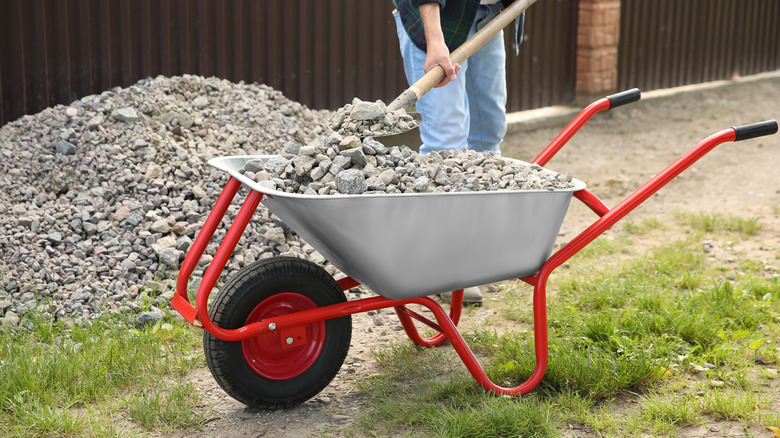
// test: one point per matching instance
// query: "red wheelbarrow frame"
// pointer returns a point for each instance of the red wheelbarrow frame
(445, 324)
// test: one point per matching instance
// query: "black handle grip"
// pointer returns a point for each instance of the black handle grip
(624, 97)
(767, 127)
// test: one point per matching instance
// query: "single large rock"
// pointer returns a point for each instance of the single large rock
(367, 111)
(351, 182)
(126, 114)
(65, 148)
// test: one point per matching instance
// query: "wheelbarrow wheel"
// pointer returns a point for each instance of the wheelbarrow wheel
(263, 372)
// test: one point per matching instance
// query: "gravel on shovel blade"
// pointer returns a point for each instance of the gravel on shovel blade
(370, 119)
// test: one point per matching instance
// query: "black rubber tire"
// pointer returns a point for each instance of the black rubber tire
(234, 304)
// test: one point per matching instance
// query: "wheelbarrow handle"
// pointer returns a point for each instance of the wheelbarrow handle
(608, 217)
(609, 102)
(753, 130)
(624, 97)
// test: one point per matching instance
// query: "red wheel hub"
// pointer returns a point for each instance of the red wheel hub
(266, 354)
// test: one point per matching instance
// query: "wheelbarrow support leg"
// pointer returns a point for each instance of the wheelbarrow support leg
(405, 316)
(450, 331)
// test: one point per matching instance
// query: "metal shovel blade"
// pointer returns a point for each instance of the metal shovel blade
(410, 138)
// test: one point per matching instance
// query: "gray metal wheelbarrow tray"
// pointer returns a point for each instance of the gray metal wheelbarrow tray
(411, 245)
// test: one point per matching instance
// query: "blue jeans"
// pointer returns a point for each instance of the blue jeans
(471, 111)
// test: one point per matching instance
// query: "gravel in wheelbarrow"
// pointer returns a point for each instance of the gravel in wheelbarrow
(425, 240)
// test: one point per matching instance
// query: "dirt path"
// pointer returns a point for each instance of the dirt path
(615, 153)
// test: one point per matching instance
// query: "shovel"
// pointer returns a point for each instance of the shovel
(412, 94)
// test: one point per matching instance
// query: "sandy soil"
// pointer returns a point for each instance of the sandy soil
(617, 152)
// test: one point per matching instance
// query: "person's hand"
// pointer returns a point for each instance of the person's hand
(438, 54)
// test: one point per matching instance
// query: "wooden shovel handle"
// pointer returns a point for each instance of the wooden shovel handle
(435, 75)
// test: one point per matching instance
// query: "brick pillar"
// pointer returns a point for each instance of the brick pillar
(598, 33)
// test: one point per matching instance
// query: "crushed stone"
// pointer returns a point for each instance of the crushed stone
(347, 165)
(101, 199)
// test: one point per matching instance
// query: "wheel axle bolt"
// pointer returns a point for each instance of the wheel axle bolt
(289, 341)
(271, 326)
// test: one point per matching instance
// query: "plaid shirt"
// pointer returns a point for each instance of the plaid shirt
(457, 16)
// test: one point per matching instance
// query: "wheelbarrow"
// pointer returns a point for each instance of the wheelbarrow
(278, 330)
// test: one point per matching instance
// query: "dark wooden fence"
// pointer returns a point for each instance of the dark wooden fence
(667, 43)
(320, 53)
(323, 53)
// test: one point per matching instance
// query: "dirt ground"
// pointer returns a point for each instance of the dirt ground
(617, 152)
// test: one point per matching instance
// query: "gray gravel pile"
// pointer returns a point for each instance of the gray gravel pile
(370, 119)
(100, 200)
(345, 165)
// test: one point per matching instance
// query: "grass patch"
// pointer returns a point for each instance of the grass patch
(495, 417)
(719, 223)
(429, 389)
(69, 380)
(664, 413)
(733, 405)
(644, 227)
(592, 369)
(164, 409)
(666, 329)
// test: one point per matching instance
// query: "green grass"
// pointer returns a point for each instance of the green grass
(718, 223)
(165, 409)
(662, 413)
(733, 405)
(448, 405)
(667, 328)
(74, 380)
(644, 227)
